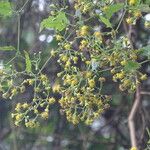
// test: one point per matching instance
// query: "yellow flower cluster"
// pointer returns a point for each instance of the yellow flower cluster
(83, 31)
(32, 124)
(83, 44)
(133, 13)
(120, 63)
(84, 55)
(83, 5)
(133, 16)
(7, 84)
(80, 101)
(29, 113)
(83, 105)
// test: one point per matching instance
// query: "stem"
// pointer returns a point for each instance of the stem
(23, 6)
(18, 39)
(131, 117)
(144, 62)
(122, 17)
(44, 65)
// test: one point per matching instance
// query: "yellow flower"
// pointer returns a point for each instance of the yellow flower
(86, 8)
(137, 14)
(75, 59)
(88, 121)
(132, 2)
(25, 105)
(56, 88)
(133, 148)
(120, 75)
(51, 100)
(133, 56)
(143, 77)
(18, 117)
(126, 82)
(14, 91)
(129, 20)
(59, 37)
(36, 111)
(43, 77)
(76, 6)
(52, 53)
(44, 115)
(64, 58)
(88, 74)
(123, 63)
(97, 34)
(67, 46)
(31, 124)
(74, 81)
(84, 42)
(18, 107)
(84, 30)
(68, 63)
(91, 83)
(88, 62)
(105, 8)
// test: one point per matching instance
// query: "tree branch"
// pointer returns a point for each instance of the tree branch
(145, 93)
(131, 117)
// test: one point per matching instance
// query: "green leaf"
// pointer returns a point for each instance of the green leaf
(28, 62)
(132, 66)
(145, 51)
(58, 22)
(113, 9)
(5, 9)
(147, 2)
(7, 48)
(144, 8)
(106, 21)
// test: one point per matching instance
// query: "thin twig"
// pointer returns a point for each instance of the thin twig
(145, 93)
(24, 5)
(18, 38)
(131, 117)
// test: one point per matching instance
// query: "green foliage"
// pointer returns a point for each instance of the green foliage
(144, 8)
(28, 62)
(7, 48)
(132, 66)
(105, 21)
(58, 22)
(5, 9)
(146, 2)
(145, 51)
(113, 9)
